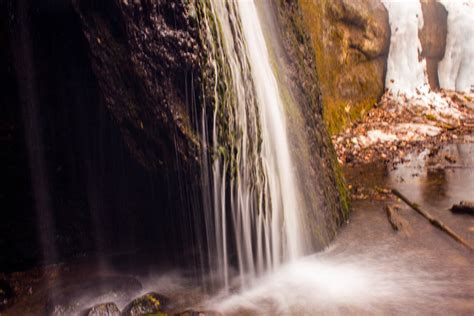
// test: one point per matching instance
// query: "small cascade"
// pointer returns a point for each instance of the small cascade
(253, 216)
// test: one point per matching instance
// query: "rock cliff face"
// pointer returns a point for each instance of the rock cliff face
(118, 87)
(351, 39)
(162, 44)
(145, 57)
(99, 92)
(315, 161)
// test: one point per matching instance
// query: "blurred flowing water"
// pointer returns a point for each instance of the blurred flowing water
(338, 282)
(254, 205)
(371, 269)
(254, 209)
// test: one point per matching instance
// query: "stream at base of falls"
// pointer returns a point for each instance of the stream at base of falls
(368, 269)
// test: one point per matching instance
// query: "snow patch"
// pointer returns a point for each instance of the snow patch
(428, 101)
(417, 129)
(399, 132)
(375, 136)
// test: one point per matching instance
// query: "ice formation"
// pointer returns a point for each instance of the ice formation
(456, 70)
(406, 78)
(405, 71)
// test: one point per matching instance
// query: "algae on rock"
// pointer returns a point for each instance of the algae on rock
(351, 41)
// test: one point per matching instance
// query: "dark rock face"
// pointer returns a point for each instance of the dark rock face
(114, 88)
(14, 184)
(145, 57)
(81, 171)
(6, 294)
(433, 37)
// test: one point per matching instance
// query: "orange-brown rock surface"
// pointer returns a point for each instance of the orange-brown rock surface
(351, 40)
(433, 38)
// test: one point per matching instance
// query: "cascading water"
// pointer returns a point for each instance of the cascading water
(282, 187)
(256, 209)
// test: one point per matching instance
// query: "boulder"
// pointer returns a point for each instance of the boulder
(147, 304)
(74, 298)
(433, 38)
(106, 309)
(351, 40)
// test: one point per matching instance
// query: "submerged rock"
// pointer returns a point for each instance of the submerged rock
(146, 304)
(396, 220)
(106, 309)
(464, 207)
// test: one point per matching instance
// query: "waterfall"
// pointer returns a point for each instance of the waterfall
(282, 187)
(253, 217)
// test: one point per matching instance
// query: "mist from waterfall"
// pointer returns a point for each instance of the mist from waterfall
(254, 203)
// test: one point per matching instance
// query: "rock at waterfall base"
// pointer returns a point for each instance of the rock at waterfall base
(106, 309)
(151, 303)
(465, 207)
(69, 300)
(198, 313)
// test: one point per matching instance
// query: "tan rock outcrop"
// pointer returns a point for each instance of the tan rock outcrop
(351, 40)
(433, 37)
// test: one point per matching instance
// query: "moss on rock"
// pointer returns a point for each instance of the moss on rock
(151, 303)
(351, 41)
(323, 174)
